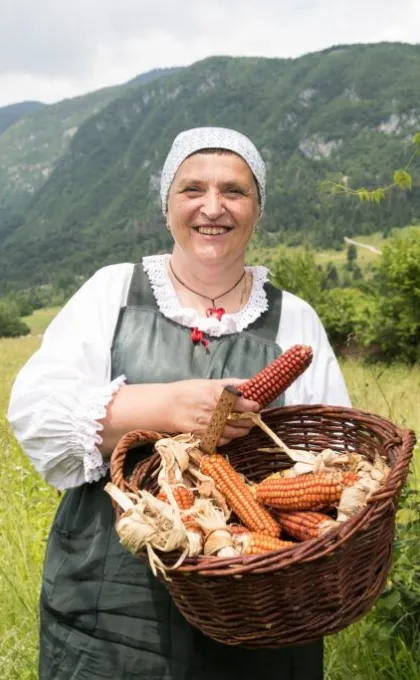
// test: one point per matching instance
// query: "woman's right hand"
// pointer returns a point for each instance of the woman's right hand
(193, 402)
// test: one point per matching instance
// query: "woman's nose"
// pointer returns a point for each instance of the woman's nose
(212, 206)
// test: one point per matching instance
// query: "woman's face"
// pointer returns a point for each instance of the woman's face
(213, 207)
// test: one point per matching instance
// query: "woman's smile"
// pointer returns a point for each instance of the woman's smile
(213, 208)
(209, 231)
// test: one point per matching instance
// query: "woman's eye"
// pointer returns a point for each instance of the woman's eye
(191, 189)
(235, 191)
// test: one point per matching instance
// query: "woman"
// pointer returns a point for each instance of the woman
(151, 346)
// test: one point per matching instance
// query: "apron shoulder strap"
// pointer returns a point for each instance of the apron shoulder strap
(140, 293)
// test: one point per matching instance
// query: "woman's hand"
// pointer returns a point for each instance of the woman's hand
(194, 401)
(183, 406)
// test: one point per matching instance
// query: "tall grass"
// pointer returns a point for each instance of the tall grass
(26, 510)
(365, 651)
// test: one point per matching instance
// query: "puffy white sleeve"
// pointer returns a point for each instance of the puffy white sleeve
(322, 382)
(63, 390)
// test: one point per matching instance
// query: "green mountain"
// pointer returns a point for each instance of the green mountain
(346, 113)
(154, 74)
(9, 115)
(32, 147)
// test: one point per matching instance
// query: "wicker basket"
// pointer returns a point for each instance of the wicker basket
(319, 587)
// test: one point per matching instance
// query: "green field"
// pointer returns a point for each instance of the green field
(39, 320)
(365, 257)
(27, 506)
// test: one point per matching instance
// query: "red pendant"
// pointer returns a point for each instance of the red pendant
(215, 312)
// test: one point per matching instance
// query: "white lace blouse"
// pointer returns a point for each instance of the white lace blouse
(63, 390)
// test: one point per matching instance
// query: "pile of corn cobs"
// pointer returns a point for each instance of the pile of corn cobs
(205, 507)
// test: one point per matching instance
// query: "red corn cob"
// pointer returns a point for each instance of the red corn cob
(275, 378)
(305, 525)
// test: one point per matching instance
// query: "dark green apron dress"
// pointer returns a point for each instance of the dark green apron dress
(103, 614)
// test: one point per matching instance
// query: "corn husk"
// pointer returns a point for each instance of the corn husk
(174, 456)
(326, 461)
(213, 520)
(371, 477)
(151, 524)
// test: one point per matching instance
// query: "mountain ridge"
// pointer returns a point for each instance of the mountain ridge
(346, 113)
(12, 113)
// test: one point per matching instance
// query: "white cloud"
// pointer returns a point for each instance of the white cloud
(50, 50)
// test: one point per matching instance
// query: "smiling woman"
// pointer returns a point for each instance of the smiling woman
(151, 346)
(213, 209)
(212, 212)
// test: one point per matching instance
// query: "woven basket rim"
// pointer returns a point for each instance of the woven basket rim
(316, 548)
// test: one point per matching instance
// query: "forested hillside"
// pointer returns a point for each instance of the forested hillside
(347, 114)
(9, 115)
(36, 137)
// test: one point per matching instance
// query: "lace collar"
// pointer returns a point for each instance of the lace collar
(169, 304)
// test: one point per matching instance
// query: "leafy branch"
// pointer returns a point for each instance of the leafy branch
(402, 179)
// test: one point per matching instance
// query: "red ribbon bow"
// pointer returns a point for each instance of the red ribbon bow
(217, 313)
(198, 336)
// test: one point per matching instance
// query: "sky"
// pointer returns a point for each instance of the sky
(54, 49)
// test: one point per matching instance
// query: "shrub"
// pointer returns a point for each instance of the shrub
(347, 315)
(11, 325)
(299, 274)
(397, 329)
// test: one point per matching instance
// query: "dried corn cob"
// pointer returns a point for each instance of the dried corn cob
(184, 499)
(183, 496)
(238, 529)
(312, 491)
(238, 495)
(275, 378)
(305, 525)
(255, 543)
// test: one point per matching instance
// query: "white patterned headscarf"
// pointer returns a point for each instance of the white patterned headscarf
(191, 141)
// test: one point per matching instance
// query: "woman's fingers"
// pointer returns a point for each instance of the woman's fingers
(245, 423)
(234, 432)
(242, 404)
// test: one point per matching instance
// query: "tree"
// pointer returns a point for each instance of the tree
(351, 256)
(397, 326)
(346, 314)
(331, 278)
(299, 274)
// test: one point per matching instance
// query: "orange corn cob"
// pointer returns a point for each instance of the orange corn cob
(275, 378)
(312, 491)
(238, 529)
(305, 525)
(184, 497)
(238, 495)
(255, 543)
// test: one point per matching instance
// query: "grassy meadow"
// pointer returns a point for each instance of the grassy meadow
(27, 506)
(366, 258)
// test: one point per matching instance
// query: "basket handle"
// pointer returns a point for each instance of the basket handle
(119, 454)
